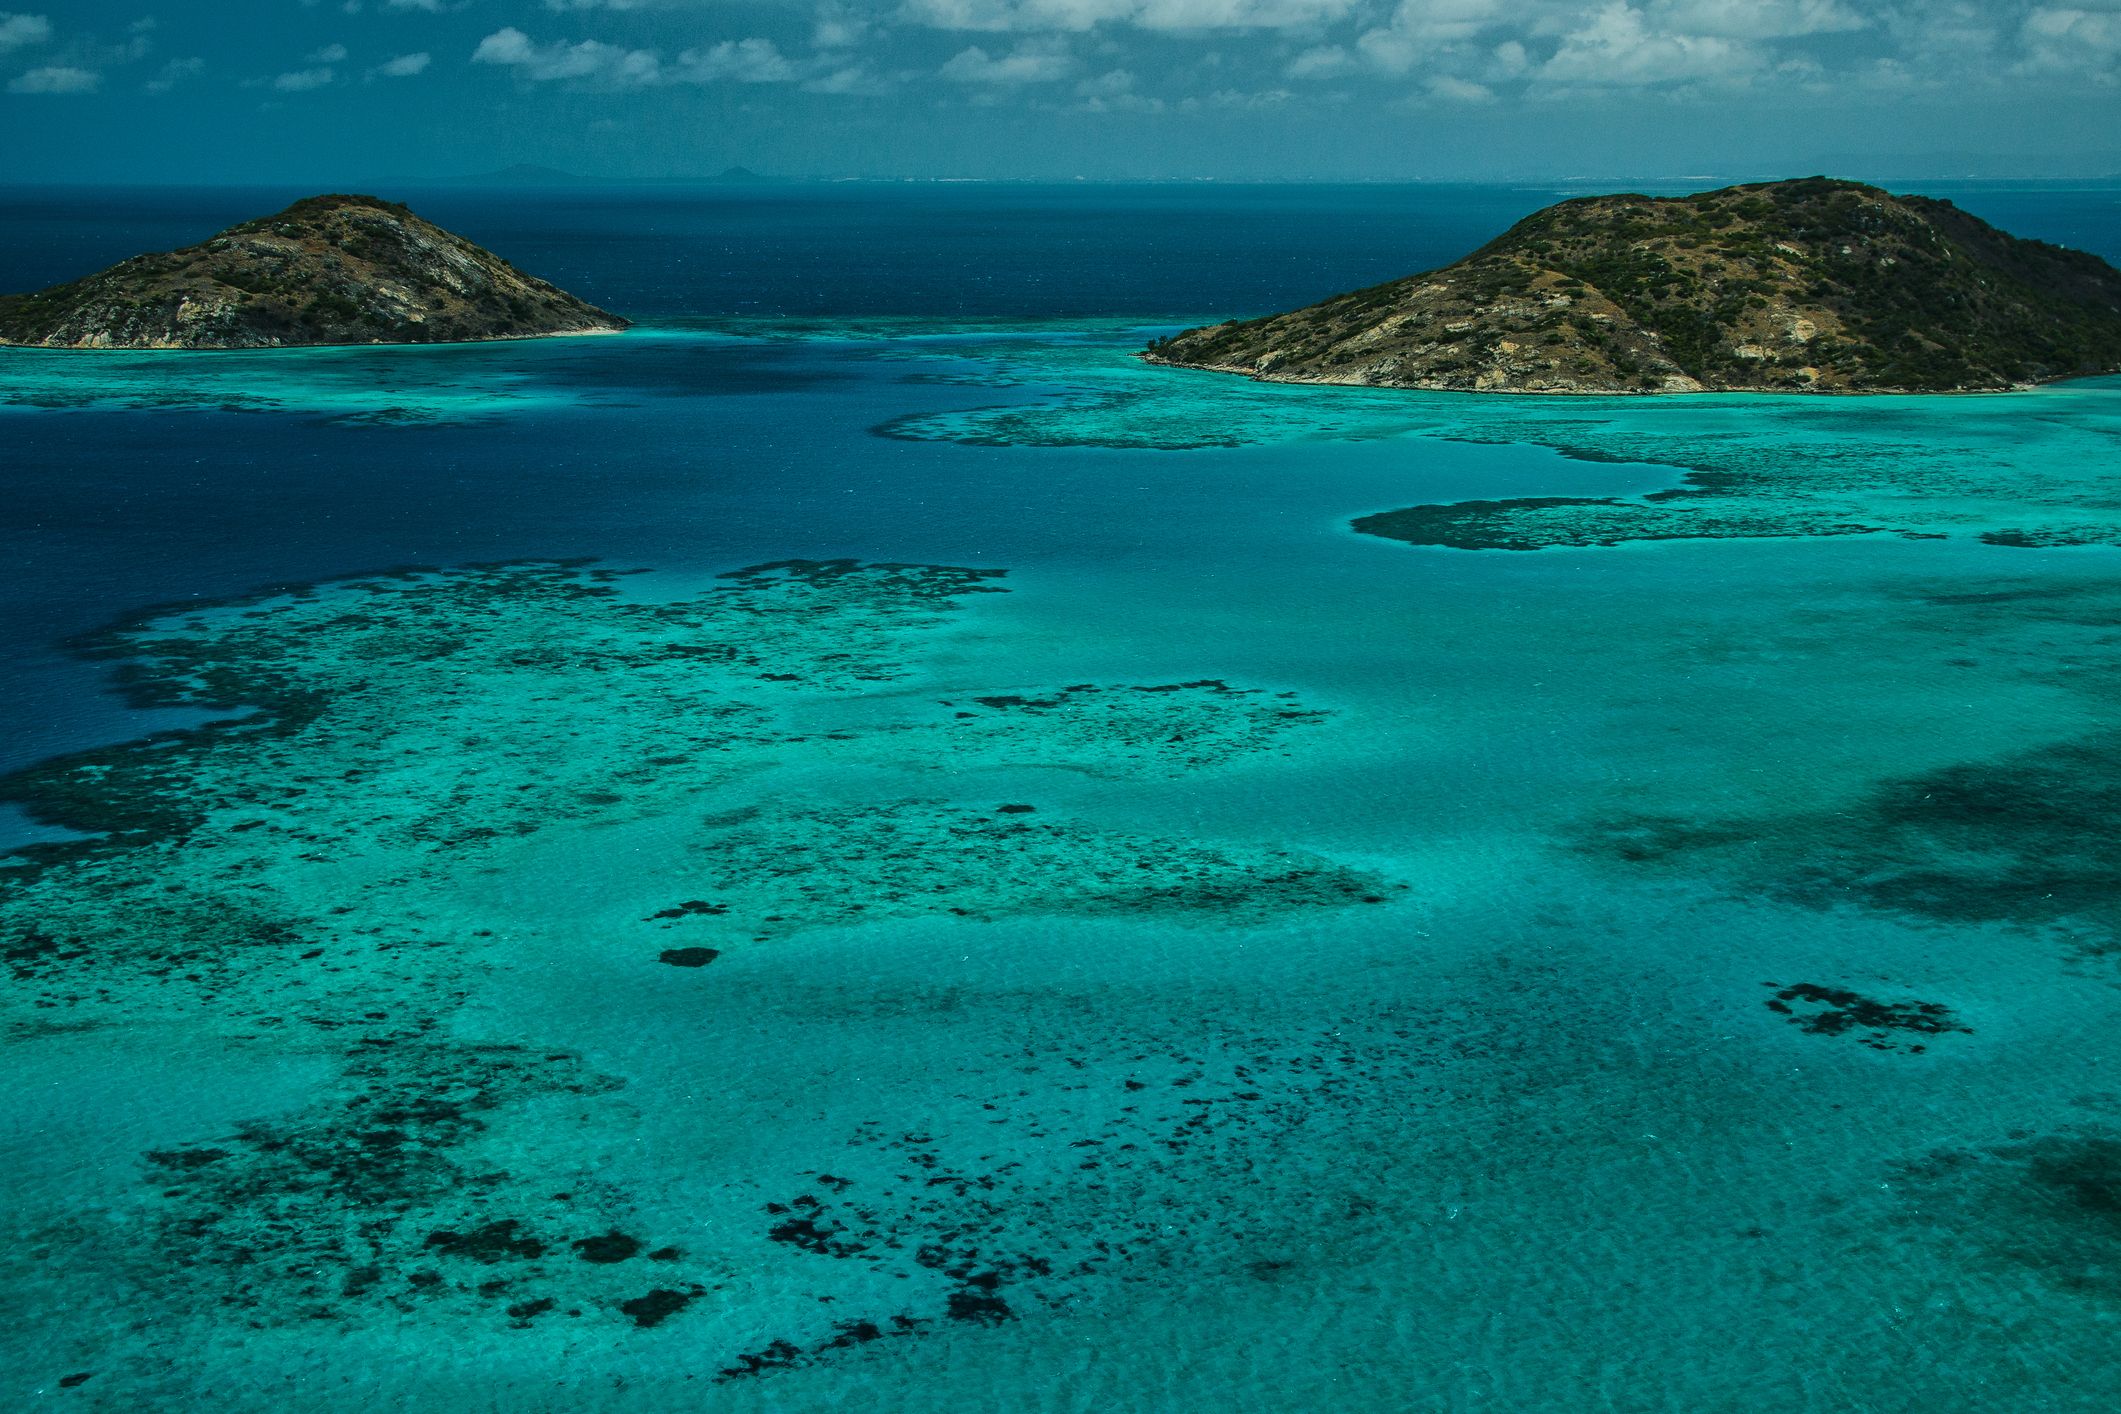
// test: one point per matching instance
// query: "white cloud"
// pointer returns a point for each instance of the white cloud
(1321, 61)
(1034, 62)
(594, 63)
(1454, 90)
(1056, 15)
(837, 29)
(1113, 92)
(405, 66)
(432, 7)
(1757, 19)
(1238, 98)
(2079, 38)
(174, 73)
(736, 61)
(1424, 31)
(850, 79)
(589, 61)
(1601, 42)
(303, 80)
(21, 31)
(57, 78)
(1620, 46)
(329, 54)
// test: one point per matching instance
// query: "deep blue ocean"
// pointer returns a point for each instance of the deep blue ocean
(1672, 970)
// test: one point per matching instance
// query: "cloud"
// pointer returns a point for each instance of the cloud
(1609, 43)
(596, 64)
(836, 29)
(1113, 92)
(1454, 90)
(404, 66)
(1323, 61)
(1620, 46)
(303, 80)
(589, 61)
(329, 54)
(21, 31)
(1077, 15)
(1033, 62)
(1758, 19)
(2083, 39)
(1239, 98)
(736, 61)
(432, 7)
(850, 79)
(57, 78)
(174, 73)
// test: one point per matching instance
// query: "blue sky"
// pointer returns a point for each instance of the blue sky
(318, 91)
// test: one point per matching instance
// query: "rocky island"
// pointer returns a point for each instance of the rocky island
(327, 270)
(1797, 286)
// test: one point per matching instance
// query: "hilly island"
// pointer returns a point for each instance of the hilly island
(1796, 286)
(327, 270)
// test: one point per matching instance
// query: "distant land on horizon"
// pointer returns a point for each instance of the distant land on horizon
(531, 174)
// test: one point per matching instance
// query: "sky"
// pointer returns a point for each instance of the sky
(324, 91)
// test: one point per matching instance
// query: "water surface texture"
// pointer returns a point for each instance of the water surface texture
(856, 848)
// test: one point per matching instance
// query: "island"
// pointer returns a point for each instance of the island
(1807, 286)
(328, 270)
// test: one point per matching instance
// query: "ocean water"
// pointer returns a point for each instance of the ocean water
(856, 848)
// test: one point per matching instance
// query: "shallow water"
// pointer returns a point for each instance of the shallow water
(1213, 957)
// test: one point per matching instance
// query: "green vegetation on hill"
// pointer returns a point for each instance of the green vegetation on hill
(327, 270)
(1797, 286)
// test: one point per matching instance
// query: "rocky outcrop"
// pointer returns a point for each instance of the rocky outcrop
(1798, 286)
(327, 270)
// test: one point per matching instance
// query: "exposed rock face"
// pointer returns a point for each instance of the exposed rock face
(1799, 286)
(327, 270)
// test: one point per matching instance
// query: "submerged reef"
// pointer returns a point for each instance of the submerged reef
(2025, 841)
(429, 783)
(1837, 1011)
(1543, 522)
(2047, 1206)
(2021, 838)
(2007, 472)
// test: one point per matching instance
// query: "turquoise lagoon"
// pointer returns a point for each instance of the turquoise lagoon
(903, 863)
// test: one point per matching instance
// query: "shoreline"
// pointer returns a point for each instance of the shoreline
(599, 332)
(1293, 382)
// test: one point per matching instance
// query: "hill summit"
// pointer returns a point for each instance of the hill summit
(327, 270)
(1798, 286)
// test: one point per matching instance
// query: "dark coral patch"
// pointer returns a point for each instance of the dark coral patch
(607, 1247)
(978, 1306)
(492, 1242)
(690, 908)
(1836, 1011)
(658, 1306)
(689, 957)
